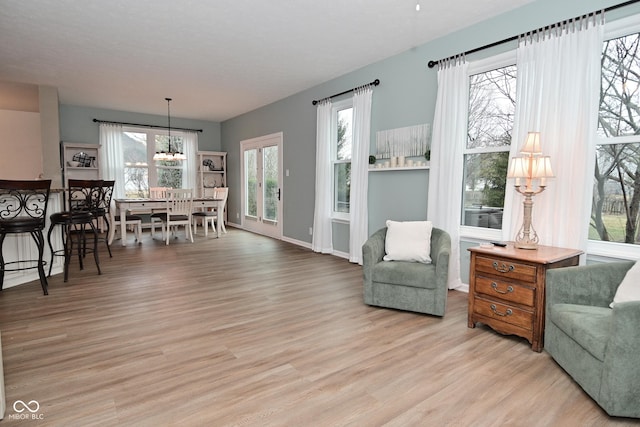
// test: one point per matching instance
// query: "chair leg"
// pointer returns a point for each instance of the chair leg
(39, 239)
(2, 236)
(95, 247)
(68, 249)
(106, 239)
(112, 234)
(50, 248)
(82, 245)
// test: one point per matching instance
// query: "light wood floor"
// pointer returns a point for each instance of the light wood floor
(249, 331)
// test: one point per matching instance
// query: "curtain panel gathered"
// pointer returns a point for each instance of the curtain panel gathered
(189, 166)
(557, 95)
(361, 142)
(447, 146)
(322, 239)
(111, 154)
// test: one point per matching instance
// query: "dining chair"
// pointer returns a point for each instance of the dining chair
(212, 216)
(23, 209)
(157, 193)
(130, 220)
(179, 206)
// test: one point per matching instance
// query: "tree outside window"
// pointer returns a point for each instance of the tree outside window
(138, 155)
(342, 160)
(616, 192)
(486, 158)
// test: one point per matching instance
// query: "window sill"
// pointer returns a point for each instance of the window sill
(623, 251)
(404, 168)
(340, 220)
(480, 233)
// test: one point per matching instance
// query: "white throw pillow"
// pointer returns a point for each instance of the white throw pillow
(629, 289)
(408, 241)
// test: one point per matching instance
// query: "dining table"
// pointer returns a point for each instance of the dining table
(148, 205)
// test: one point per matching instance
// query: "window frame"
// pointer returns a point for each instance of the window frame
(151, 166)
(477, 67)
(597, 248)
(336, 216)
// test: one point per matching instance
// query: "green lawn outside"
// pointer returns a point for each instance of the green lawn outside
(615, 226)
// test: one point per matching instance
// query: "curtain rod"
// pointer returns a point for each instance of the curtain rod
(376, 82)
(432, 63)
(148, 126)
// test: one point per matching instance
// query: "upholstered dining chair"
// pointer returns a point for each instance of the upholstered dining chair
(212, 216)
(179, 207)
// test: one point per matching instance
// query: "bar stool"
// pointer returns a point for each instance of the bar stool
(82, 201)
(23, 209)
(102, 210)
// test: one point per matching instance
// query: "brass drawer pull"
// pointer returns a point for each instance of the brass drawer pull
(507, 313)
(494, 285)
(503, 268)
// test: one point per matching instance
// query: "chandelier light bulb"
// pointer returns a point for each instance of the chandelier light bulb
(418, 6)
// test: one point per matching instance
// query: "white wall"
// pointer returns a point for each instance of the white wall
(20, 145)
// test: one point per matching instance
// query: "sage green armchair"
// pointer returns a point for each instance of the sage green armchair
(403, 285)
(598, 346)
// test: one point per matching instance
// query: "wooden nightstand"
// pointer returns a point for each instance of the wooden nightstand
(506, 288)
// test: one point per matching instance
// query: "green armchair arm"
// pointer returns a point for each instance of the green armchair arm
(620, 387)
(440, 253)
(594, 284)
(372, 253)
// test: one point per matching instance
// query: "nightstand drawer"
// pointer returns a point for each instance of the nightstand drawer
(506, 268)
(507, 291)
(504, 313)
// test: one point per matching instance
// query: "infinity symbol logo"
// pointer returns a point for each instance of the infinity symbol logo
(20, 404)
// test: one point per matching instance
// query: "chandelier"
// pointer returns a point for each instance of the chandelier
(169, 155)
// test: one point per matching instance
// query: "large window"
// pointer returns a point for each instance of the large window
(140, 170)
(342, 117)
(616, 190)
(486, 155)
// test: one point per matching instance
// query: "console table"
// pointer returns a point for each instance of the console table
(507, 288)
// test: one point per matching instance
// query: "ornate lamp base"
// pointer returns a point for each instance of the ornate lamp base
(527, 238)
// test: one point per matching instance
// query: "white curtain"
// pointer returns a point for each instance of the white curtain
(189, 166)
(557, 95)
(361, 142)
(448, 141)
(112, 158)
(322, 239)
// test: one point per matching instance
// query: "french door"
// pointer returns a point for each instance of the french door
(261, 185)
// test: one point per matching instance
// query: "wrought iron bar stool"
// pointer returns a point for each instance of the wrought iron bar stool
(23, 209)
(82, 202)
(102, 210)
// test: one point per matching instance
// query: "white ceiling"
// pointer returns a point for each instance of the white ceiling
(216, 58)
